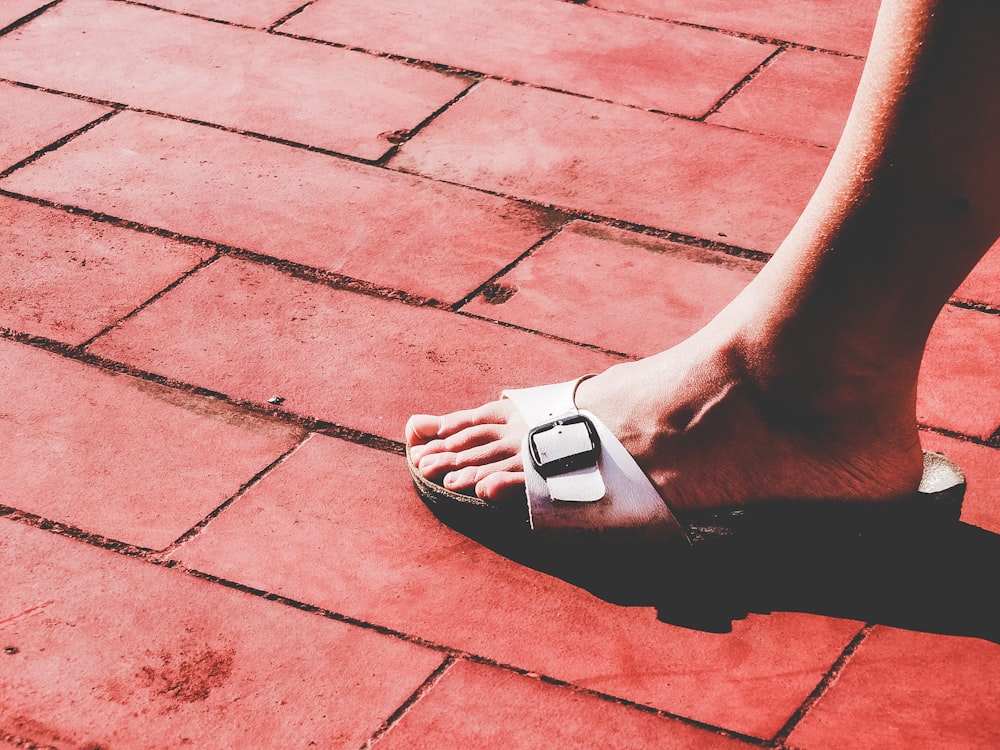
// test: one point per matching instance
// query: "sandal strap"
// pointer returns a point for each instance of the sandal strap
(578, 475)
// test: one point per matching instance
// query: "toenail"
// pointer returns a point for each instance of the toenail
(416, 452)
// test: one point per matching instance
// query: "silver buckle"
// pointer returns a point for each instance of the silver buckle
(548, 467)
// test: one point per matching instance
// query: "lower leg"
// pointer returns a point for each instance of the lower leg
(805, 385)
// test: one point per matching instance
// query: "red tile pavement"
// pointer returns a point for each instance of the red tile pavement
(309, 93)
(479, 706)
(839, 25)
(118, 456)
(67, 277)
(394, 230)
(895, 693)
(31, 120)
(569, 287)
(232, 267)
(800, 94)
(336, 525)
(620, 58)
(959, 378)
(258, 13)
(982, 286)
(981, 465)
(104, 651)
(689, 177)
(13, 10)
(332, 354)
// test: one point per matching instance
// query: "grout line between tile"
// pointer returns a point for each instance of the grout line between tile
(741, 84)
(492, 280)
(400, 137)
(186, 14)
(824, 684)
(143, 305)
(425, 687)
(255, 479)
(24, 19)
(290, 15)
(732, 32)
(57, 144)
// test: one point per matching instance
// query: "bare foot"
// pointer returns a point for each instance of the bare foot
(706, 430)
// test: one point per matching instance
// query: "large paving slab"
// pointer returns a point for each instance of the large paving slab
(689, 177)
(959, 378)
(252, 332)
(912, 690)
(68, 277)
(619, 290)
(102, 650)
(240, 78)
(645, 63)
(118, 456)
(801, 94)
(31, 120)
(839, 25)
(394, 230)
(339, 525)
(479, 706)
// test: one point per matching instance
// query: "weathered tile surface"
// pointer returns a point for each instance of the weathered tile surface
(390, 229)
(13, 10)
(839, 25)
(959, 377)
(689, 177)
(118, 456)
(31, 120)
(982, 286)
(106, 651)
(611, 56)
(349, 358)
(906, 689)
(67, 277)
(572, 286)
(802, 94)
(257, 13)
(479, 706)
(312, 94)
(365, 546)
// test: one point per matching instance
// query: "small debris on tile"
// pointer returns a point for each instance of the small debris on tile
(276, 400)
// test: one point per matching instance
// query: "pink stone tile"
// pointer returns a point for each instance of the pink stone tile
(983, 284)
(981, 465)
(102, 650)
(309, 93)
(395, 230)
(803, 95)
(252, 332)
(118, 456)
(259, 13)
(31, 120)
(14, 10)
(479, 706)
(659, 171)
(648, 64)
(840, 25)
(339, 525)
(959, 379)
(67, 277)
(594, 285)
(906, 689)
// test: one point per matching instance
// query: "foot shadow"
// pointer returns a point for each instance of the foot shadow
(941, 579)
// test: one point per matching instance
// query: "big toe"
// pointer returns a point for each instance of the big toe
(422, 427)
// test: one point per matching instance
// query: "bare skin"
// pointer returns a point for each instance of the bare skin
(804, 387)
